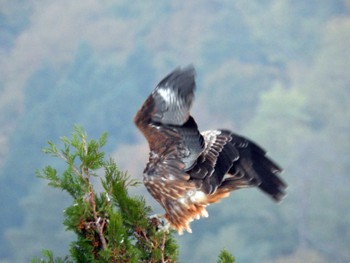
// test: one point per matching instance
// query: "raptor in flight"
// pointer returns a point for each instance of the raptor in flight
(187, 169)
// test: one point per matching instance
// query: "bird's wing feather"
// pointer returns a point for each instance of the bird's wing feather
(173, 97)
(169, 184)
(164, 117)
(230, 161)
(215, 161)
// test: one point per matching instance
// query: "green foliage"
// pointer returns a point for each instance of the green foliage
(48, 257)
(226, 257)
(110, 226)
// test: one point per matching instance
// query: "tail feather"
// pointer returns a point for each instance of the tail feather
(254, 168)
(270, 181)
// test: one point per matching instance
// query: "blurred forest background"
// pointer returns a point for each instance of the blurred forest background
(275, 70)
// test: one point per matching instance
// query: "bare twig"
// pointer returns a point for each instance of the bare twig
(162, 247)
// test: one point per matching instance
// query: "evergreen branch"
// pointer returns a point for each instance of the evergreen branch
(69, 162)
(98, 224)
(226, 257)
(49, 258)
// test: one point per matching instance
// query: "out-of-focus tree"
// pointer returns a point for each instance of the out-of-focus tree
(41, 220)
(14, 17)
(237, 86)
(97, 94)
(327, 93)
(301, 255)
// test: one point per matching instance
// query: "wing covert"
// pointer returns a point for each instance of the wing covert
(215, 161)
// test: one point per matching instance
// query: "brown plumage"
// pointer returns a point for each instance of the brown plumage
(187, 170)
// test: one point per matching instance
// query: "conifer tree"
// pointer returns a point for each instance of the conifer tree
(226, 257)
(110, 226)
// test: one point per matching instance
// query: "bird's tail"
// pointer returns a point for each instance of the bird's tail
(254, 168)
(267, 172)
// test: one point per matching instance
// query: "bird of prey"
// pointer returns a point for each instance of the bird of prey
(187, 169)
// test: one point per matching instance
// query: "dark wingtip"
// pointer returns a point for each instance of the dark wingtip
(173, 97)
(184, 77)
(188, 70)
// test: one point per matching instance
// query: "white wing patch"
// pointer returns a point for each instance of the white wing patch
(210, 137)
(167, 95)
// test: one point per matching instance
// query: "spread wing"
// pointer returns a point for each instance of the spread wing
(164, 118)
(230, 162)
(173, 97)
(171, 100)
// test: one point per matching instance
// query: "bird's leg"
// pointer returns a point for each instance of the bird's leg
(161, 222)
